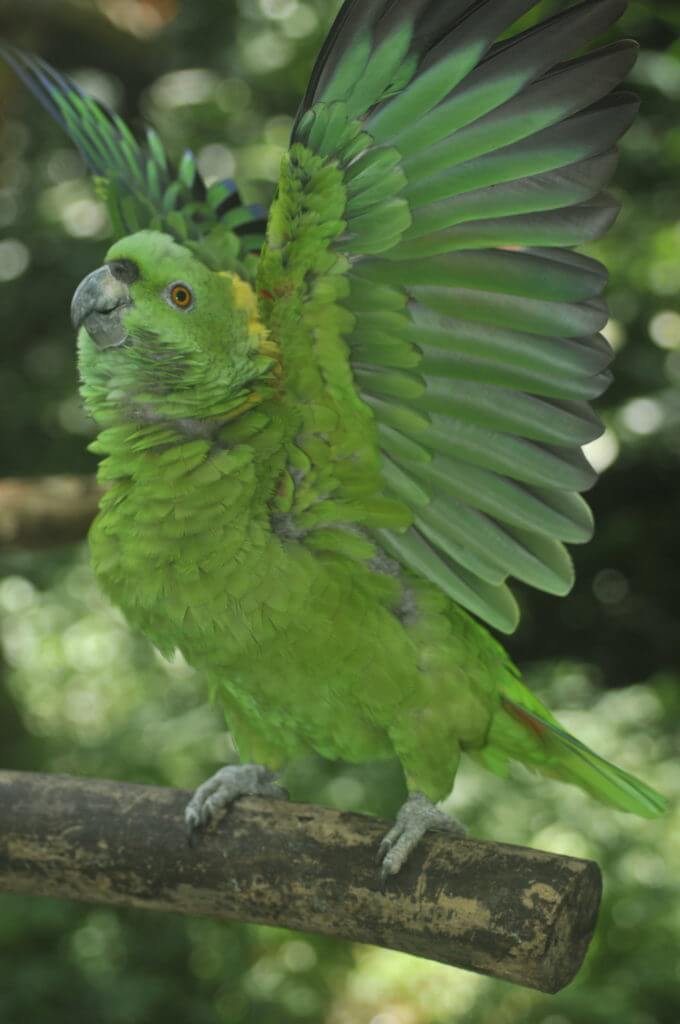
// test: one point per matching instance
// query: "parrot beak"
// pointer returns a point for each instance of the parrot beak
(98, 305)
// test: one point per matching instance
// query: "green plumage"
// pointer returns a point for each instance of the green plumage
(325, 463)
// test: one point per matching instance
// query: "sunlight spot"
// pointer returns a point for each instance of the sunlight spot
(610, 586)
(634, 706)
(645, 867)
(73, 418)
(141, 18)
(98, 946)
(664, 277)
(603, 452)
(266, 51)
(260, 161)
(660, 70)
(642, 416)
(277, 130)
(278, 10)
(216, 162)
(263, 978)
(14, 259)
(63, 165)
(615, 333)
(100, 86)
(301, 22)
(298, 955)
(301, 1001)
(88, 645)
(84, 218)
(184, 88)
(16, 594)
(558, 838)
(664, 329)
(345, 791)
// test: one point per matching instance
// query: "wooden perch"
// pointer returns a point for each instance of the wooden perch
(522, 915)
(45, 511)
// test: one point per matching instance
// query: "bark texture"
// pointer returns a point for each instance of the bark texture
(514, 913)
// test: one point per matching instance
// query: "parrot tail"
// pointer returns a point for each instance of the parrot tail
(562, 756)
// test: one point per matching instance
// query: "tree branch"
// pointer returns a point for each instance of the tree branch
(45, 511)
(522, 915)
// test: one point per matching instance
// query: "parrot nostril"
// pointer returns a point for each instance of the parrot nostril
(124, 270)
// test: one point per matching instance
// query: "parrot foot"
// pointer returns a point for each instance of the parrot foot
(414, 819)
(225, 786)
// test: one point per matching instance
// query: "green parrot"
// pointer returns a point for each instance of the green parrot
(329, 438)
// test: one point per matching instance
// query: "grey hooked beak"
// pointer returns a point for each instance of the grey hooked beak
(98, 305)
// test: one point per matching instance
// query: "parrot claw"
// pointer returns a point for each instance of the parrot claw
(414, 819)
(221, 789)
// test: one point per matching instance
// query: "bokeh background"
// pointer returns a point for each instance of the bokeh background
(79, 693)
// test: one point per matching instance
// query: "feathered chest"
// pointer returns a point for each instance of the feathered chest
(183, 541)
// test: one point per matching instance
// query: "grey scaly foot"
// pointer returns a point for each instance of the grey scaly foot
(225, 786)
(414, 819)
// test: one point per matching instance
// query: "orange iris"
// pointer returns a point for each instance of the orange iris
(181, 296)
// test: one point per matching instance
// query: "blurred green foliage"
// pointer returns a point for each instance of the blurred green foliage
(81, 694)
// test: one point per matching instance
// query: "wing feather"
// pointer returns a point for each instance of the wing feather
(474, 158)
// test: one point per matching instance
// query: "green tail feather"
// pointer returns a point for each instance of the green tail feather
(557, 753)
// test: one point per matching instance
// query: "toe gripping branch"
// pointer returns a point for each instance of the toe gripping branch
(230, 783)
(522, 915)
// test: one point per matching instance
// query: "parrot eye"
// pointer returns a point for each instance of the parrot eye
(180, 295)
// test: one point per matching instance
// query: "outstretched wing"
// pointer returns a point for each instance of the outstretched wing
(471, 161)
(140, 186)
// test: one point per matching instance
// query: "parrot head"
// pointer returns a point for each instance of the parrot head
(162, 336)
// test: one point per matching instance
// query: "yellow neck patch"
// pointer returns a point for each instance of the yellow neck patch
(245, 299)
